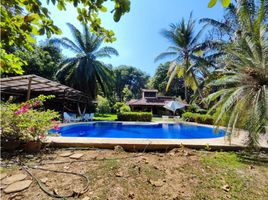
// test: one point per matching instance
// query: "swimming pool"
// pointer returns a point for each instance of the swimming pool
(146, 131)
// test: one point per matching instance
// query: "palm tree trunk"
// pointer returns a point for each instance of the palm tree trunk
(185, 90)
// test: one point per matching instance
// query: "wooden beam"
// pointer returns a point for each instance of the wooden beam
(29, 88)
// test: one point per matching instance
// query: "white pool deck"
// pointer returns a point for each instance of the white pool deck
(237, 141)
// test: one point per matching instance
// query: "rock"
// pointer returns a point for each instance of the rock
(226, 188)
(86, 198)
(251, 167)
(2, 176)
(118, 148)
(18, 186)
(66, 167)
(65, 154)
(157, 183)
(131, 195)
(119, 174)
(76, 156)
(29, 156)
(13, 179)
(44, 180)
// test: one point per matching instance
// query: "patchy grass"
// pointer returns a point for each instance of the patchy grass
(181, 174)
(105, 117)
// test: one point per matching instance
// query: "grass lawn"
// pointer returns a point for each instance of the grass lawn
(113, 117)
(105, 117)
(181, 174)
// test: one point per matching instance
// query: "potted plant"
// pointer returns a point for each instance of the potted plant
(9, 132)
(30, 123)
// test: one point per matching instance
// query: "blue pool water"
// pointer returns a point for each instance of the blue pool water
(151, 131)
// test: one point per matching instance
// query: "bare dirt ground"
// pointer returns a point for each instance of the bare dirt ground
(179, 174)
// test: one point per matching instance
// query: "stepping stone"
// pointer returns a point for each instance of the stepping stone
(76, 156)
(13, 179)
(18, 186)
(157, 183)
(65, 154)
(44, 180)
(2, 176)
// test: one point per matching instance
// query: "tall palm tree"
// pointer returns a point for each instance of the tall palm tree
(229, 28)
(189, 58)
(84, 72)
(242, 96)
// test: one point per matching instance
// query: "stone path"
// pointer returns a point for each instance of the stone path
(13, 179)
(18, 186)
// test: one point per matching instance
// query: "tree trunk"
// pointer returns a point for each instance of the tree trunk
(185, 90)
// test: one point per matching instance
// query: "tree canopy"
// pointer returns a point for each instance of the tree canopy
(21, 20)
(44, 60)
(160, 79)
(131, 77)
(84, 72)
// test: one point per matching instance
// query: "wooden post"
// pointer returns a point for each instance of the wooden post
(29, 88)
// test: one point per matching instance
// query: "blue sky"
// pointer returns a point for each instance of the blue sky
(138, 32)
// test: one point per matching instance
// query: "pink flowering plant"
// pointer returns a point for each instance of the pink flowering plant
(27, 121)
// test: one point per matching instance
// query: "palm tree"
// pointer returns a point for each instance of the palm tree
(84, 72)
(189, 58)
(230, 28)
(242, 98)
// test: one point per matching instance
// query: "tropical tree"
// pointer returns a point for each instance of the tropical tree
(160, 79)
(229, 28)
(190, 59)
(84, 72)
(132, 78)
(21, 20)
(242, 96)
(43, 61)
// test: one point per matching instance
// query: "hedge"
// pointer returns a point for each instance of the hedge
(135, 116)
(198, 118)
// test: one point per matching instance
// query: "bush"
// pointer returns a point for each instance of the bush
(103, 105)
(27, 122)
(124, 109)
(198, 118)
(135, 116)
(117, 106)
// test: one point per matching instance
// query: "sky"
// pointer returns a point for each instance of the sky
(138, 32)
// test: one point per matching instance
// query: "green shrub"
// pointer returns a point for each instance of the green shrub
(198, 118)
(124, 109)
(27, 121)
(103, 105)
(135, 116)
(117, 106)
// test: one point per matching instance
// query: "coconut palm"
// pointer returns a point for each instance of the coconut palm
(84, 72)
(242, 98)
(230, 27)
(189, 58)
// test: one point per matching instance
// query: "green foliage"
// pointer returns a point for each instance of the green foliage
(124, 109)
(225, 3)
(21, 20)
(242, 84)
(135, 116)
(105, 117)
(160, 80)
(26, 121)
(43, 60)
(84, 72)
(127, 94)
(132, 77)
(190, 60)
(117, 106)
(103, 105)
(198, 118)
